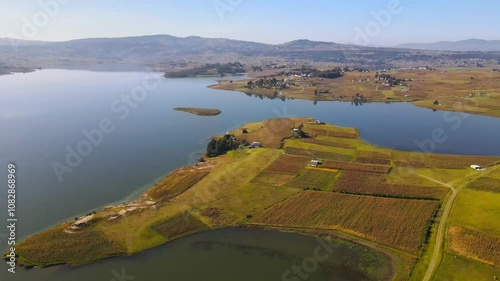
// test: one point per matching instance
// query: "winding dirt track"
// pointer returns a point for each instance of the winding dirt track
(437, 254)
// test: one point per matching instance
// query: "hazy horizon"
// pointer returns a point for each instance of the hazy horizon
(379, 23)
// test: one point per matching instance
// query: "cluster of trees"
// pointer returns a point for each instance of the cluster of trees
(271, 83)
(358, 99)
(209, 69)
(330, 73)
(220, 146)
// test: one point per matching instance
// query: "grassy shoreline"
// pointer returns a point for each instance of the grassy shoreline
(475, 91)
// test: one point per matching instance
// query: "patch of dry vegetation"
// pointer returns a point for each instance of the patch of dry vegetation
(360, 167)
(176, 183)
(317, 154)
(486, 184)
(397, 223)
(353, 182)
(55, 246)
(314, 179)
(475, 245)
(179, 225)
(288, 164)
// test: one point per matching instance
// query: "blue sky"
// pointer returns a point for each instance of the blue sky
(268, 21)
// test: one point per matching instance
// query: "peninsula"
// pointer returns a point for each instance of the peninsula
(301, 175)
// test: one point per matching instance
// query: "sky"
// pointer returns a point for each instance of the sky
(366, 22)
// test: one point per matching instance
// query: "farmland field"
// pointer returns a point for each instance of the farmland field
(457, 268)
(375, 184)
(477, 210)
(475, 245)
(398, 223)
(318, 154)
(486, 184)
(175, 183)
(178, 225)
(314, 179)
(288, 164)
(360, 167)
(277, 179)
(371, 160)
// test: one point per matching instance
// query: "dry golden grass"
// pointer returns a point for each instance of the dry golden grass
(375, 184)
(176, 183)
(318, 154)
(486, 184)
(360, 167)
(371, 160)
(55, 246)
(179, 225)
(277, 179)
(397, 223)
(475, 245)
(288, 164)
(314, 179)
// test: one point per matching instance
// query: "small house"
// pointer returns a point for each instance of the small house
(295, 131)
(255, 144)
(477, 167)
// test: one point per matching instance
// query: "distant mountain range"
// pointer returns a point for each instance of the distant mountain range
(169, 52)
(464, 45)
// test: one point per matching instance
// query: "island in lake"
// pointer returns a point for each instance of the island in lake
(301, 175)
(199, 111)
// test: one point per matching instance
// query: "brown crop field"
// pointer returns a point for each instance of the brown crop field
(178, 225)
(317, 154)
(327, 143)
(314, 179)
(175, 184)
(369, 160)
(475, 245)
(486, 184)
(411, 164)
(374, 184)
(288, 164)
(360, 167)
(397, 223)
(55, 246)
(460, 161)
(374, 154)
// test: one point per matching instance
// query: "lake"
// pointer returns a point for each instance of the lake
(47, 115)
(233, 254)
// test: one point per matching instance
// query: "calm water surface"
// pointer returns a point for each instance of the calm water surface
(43, 115)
